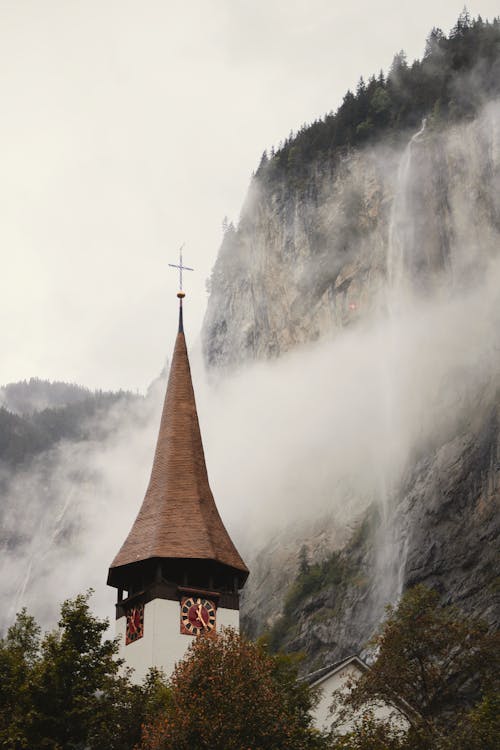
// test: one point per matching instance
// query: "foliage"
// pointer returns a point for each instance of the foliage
(35, 394)
(337, 571)
(311, 579)
(230, 693)
(437, 668)
(329, 572)
(66, 690)
(24, 436)
(479, 729)
(19, 652)
(371, 734)
(455, 76)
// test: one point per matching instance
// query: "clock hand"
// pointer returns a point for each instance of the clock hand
(132, 621)
(200, 617)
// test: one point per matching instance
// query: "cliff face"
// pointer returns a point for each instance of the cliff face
(311, 255)
(303, 256)
(442, 530)
(349, 243)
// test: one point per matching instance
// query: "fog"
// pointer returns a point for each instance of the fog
(327, 429)
(126, 130)
(324, 430)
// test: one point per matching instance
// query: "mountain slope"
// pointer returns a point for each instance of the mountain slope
(391, 247)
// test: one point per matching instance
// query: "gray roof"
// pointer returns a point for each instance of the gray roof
(313, 678)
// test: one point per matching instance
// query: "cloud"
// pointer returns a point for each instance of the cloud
(125, 131)
(324, 430)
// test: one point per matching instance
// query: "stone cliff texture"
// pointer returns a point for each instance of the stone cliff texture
(310, 255)
(314, 255)
(444, 531)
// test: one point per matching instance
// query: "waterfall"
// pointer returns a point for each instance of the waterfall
(44, 545)
(401, 238)
(392, 544)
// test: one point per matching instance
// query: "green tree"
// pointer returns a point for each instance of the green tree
(19, 652)
(68, 690)
(230, 693)
(436, 667)
(304, 565)
(380, 104)
(76, 682)
(456, 75)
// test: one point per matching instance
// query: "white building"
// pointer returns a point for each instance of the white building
(334, 677)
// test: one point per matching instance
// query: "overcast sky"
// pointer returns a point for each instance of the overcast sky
(129, 127)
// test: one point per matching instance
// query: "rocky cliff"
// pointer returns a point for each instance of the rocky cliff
(358, 238)
(311, 256)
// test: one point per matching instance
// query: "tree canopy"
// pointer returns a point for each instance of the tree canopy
(454, 78)
(66, 690)
(439, 669)
(229, 693)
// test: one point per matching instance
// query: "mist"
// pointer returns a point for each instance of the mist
(321, 432)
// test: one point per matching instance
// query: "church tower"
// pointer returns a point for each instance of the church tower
(178, 573)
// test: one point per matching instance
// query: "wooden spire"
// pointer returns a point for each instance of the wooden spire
(178, 518)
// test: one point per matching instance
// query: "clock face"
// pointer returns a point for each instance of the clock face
(197, 615)
(135, 624)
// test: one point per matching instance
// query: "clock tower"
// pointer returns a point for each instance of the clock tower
(178, 573)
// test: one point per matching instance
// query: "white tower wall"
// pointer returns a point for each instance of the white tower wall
(162, 644)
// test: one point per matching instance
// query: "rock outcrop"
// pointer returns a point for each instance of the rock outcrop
(311, 257)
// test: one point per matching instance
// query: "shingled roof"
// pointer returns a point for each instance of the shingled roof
(178, 517)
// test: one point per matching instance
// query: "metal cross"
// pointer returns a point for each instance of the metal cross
(180, 266)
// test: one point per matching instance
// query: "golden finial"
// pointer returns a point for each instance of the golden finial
(180, 293)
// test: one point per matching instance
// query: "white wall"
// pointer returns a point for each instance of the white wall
(162, 644)
(322, 716)
(228, 618)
